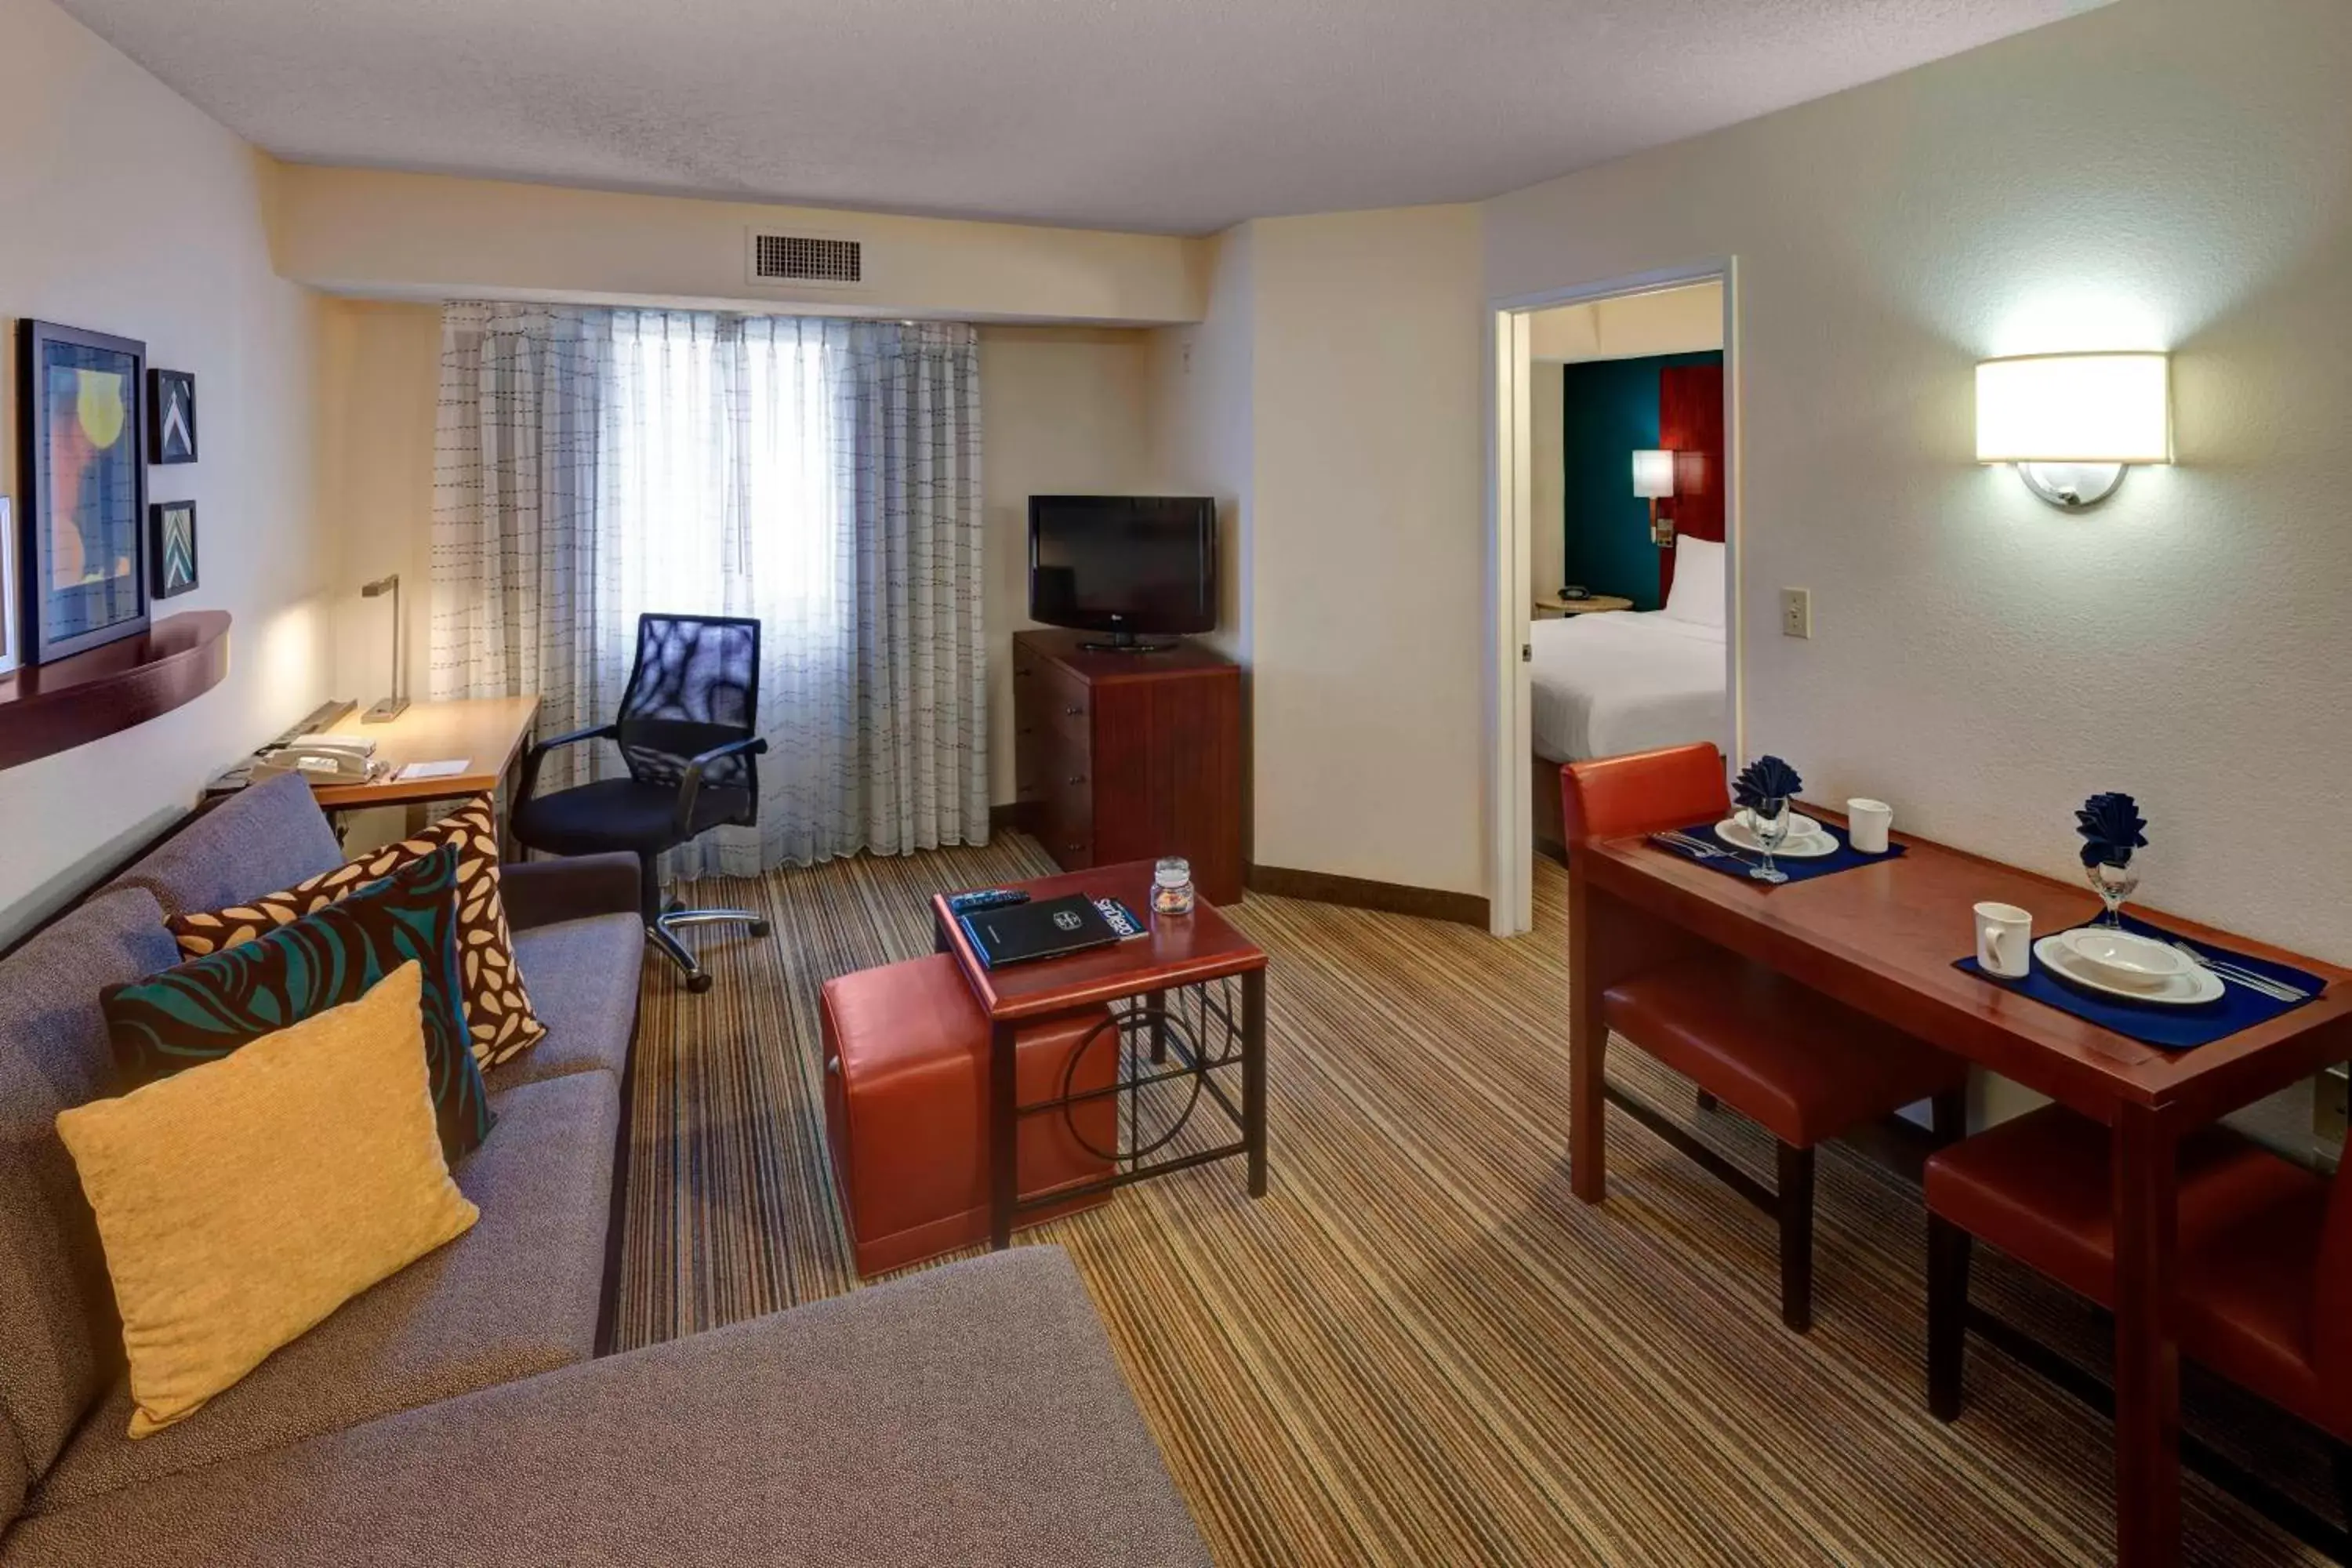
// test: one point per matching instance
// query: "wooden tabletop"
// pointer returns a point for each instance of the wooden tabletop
(1182, 950)
(1592, 603)
(487, 733)
(1884, 939)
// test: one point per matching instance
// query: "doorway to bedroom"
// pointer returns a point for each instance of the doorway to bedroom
(1616, 522)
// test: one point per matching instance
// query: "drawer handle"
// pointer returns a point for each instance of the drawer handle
(1074, 711)
(1078, 778)
(1074, 847)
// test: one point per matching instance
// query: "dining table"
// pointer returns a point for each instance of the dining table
(1883, 938)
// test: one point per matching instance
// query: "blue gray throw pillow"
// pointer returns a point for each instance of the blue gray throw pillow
(207, 1007)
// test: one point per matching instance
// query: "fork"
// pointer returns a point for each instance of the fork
(1699, 849)
(2276, 990)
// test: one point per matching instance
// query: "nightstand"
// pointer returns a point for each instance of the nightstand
(1551, 607)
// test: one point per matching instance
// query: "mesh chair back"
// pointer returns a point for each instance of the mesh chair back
(695, 685)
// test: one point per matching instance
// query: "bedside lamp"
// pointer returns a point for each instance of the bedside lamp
(2072, 422)
(1653, 480)
(393, 706)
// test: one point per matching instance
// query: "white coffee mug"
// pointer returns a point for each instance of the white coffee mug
(1866, 824)
(2004, 941)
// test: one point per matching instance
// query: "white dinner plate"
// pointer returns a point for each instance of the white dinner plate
(2195, 988)
(1811, 844)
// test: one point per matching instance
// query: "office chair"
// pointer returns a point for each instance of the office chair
(687, 730)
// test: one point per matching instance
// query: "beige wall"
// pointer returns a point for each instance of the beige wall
(1366, 573)
(381, 235)
(1667, 322)
(2167, 174)
(126, 211)
(1547, 476)
(1063, 410)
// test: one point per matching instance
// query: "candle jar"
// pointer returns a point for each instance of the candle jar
(1172, 887)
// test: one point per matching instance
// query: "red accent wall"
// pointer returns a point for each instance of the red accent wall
(1690, 424)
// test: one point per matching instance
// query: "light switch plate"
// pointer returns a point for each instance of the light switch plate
(1796, 612)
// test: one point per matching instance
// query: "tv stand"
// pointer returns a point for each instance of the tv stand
(1127, 642)
(1122, 759)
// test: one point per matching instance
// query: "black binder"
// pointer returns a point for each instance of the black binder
(1022, 933)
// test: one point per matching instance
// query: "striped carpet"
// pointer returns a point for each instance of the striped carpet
(1419, 1348)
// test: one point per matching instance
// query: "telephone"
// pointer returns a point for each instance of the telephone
(320, 759)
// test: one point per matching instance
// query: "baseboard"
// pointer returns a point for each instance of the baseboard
(1362, 893)
(1003, 819)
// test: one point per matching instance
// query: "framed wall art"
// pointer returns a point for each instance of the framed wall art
(81, 551)
(170, 416)
(171, 548)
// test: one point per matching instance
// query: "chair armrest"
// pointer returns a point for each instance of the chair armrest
(541, 892)
(689, 784)
(538, 751)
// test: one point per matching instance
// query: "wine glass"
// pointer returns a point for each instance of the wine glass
(1769, 820)
(2114, 884)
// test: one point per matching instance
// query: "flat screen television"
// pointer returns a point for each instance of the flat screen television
(1133, 567)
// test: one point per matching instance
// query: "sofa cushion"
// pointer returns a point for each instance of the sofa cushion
(499, 1016)
(207, 1007)
(264, 838)
(583, 976)
(59, 1345)
(242, 1202)
(971, 1413)
(516, 1295)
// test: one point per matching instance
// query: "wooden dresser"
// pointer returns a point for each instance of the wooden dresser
(1131, 756)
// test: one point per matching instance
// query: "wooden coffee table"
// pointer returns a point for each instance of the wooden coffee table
(1174, 988)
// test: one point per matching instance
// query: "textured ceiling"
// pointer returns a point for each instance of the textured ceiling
(1181, 116)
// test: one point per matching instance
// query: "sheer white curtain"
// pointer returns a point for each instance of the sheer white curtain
(823, 475)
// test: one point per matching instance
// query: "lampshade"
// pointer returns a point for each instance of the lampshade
(2075, 408)
(1654, 474)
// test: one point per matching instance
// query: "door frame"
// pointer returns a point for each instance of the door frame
(1510, 533)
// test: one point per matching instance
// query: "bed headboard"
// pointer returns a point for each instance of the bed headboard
(1690, 424)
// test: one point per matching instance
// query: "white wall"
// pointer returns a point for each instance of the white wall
(127, 211)
(381, 381)
(1063, 410)
(376, 233)
(1203, 423)
(1366, 582)
(1548, 475)
(2165, 173)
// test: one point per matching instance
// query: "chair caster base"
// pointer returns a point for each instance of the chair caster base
(663, 934)
(761, 927)
(698, 982)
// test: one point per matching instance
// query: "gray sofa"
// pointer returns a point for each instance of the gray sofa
(459, 1411)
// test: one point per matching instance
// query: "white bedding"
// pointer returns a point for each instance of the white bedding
(1625, 680)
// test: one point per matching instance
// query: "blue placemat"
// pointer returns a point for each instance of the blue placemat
(1799, 870)
(2170, 1028)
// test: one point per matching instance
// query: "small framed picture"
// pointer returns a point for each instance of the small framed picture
(171, 547)
(170, 416)
(9, 658)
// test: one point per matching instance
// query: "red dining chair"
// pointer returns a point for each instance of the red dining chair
(1805, 1067)
(2264, 1255)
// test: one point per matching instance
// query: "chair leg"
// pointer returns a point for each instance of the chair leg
(1796, 1213)
(663, 933)
(1948, 1247)
(1950, 1113)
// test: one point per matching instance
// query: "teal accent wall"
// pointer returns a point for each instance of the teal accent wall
(1608, 411)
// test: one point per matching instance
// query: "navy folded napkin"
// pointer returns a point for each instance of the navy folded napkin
(1765, 783)
(2111, 826)
(2163, 1025)
(1846, 858)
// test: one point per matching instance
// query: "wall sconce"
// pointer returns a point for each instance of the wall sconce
(393, 706)
(1653, 480)
(2072, 423)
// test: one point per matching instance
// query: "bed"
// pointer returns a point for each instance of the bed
(1604, 685)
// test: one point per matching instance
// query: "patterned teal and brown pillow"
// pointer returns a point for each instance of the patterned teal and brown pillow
(207, 1007)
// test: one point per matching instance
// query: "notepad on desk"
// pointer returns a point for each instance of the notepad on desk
(410, 772)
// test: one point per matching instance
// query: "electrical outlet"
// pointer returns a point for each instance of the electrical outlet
(1796, 612)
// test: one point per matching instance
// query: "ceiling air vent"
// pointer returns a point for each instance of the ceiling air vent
(806, 258)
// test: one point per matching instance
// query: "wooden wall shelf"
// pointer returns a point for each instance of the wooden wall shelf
(71, 703)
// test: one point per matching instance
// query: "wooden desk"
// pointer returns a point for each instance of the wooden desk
(489, 732)
(1183, 951)
(1883, 939)
(1551, 607)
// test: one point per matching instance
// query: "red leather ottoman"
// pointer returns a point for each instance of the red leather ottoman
(905, 1080)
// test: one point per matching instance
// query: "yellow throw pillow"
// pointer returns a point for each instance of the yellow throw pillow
(242, 1201)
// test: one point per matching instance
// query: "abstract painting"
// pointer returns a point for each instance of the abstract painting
(9, 655)
(172, 546)
(83, 552)
(170, 416)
